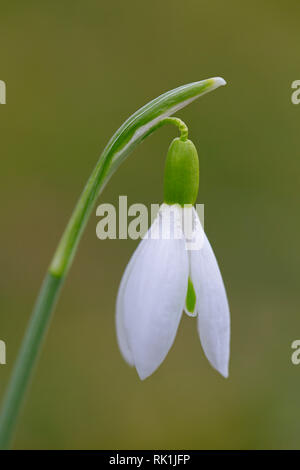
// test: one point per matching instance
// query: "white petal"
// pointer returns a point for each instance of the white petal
(120, 327)
(212, 304)
(154, 295)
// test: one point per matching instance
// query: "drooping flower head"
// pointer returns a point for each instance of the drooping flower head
(173, 270)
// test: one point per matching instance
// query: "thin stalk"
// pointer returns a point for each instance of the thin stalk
(129, 135)
(29, 350)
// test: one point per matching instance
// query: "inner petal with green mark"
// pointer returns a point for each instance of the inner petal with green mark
(190, 301)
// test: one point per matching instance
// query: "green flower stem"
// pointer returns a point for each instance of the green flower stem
(141, 124)
(184, 132)
(27, 356)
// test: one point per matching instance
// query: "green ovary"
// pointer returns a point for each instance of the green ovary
(190, 301)
(181, 173)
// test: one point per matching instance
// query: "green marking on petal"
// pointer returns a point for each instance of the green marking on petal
(190, 301)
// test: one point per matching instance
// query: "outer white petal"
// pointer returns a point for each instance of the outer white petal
(152, 297)
(212, 304)
(120, 327)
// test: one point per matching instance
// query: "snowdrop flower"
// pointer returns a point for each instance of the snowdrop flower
(165, 277)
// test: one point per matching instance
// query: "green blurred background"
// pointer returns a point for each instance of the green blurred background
(75, 70)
